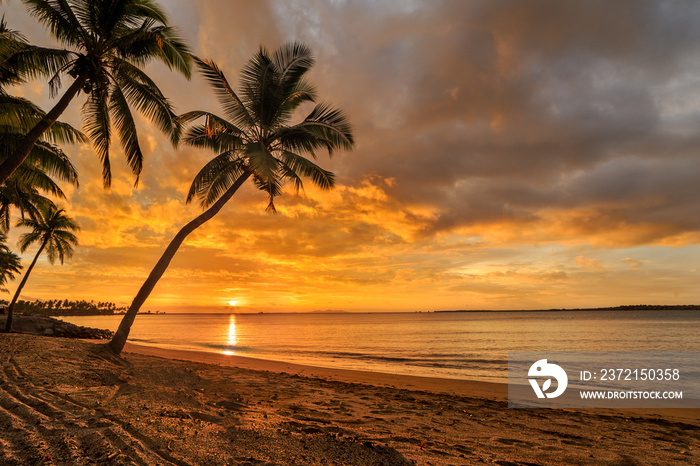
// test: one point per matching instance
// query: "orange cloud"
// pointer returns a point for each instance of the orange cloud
(510, 155)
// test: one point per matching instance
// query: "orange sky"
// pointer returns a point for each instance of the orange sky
(510, 155)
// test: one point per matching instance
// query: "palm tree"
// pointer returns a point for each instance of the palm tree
(17, 117)
(10, 263)
(53, 231)
(109, 40)
(45, 162)
(19, 59)
(254, 139)
(35, 175)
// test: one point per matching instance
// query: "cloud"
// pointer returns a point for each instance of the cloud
(509, 155)
(635, 264)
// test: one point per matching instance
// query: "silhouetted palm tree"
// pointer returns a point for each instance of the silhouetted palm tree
(53, 231)
(35, 176)
(17, 116)
(109, 40)
(254, 139)
(20, 60)
(45, 162)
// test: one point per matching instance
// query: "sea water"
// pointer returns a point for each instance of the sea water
(457, 345)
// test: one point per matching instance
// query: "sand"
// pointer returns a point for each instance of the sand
(67, 402)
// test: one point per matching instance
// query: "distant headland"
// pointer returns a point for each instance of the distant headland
(633, 307)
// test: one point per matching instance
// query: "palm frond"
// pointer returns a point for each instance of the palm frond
(292, 60)
(149, 41)
(324, 127)
(141, 92)
(302, 166)
(174, 51)
(31, 62)
(53, 161)
(260, 89)
(272, 187)
(19, 115)
(32, 178)
(215, 133)
(57, 16)
(9, 38)
(107, 18)
(45, 157)
(10, 263)
(4, 215)
(261, 161)
(301, 92)
(126, 129)
(63, 133)
(215, 178)
(97, 124)
(15, 192)
(65, 235)
(27, 239)
(215, 120)
(233, 106)
(147, 9)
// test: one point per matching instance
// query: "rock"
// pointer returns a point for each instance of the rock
(41, 325)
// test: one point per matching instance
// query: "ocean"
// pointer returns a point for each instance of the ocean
(455, 345)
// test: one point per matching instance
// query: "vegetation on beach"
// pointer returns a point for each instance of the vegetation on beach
(26, 189)
(63, 307)
(255, 139)
(53, 231)
(108, 42)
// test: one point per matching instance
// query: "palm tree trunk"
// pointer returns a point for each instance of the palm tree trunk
(11, 308)
(119, 339)
(25, 146)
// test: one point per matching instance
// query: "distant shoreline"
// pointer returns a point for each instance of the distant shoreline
(688, 307)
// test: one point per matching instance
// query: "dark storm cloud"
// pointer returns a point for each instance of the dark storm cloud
(492, 104)
(486, 111)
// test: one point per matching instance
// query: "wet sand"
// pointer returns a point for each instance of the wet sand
(66, 401)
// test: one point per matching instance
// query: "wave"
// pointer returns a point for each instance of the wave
(425, 360)
(241, 349)
(447, 361)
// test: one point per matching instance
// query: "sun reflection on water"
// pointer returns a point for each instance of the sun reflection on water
(231, 341)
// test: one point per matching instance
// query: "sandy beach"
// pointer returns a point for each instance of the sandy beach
(66, 401)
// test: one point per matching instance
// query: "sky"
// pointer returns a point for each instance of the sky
(510, 155)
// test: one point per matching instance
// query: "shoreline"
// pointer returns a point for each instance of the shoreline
(457, 387)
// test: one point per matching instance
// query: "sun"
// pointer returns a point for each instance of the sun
(232, 303)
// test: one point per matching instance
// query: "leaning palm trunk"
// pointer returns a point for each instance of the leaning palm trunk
(8, 167)
(119, 339)
(11, 308)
